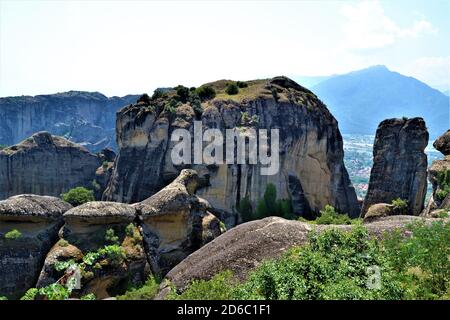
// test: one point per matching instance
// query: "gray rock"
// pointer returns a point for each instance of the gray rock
(176, 222)
(312, 171)
(86, 225)
(38, 220)
(45, 165)
(87, 118)
(442, 143)
(399, 164)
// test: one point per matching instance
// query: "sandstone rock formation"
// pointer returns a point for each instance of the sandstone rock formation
(85, 226)
(105, 232)
(87, 118)
(175, 222)
(399, 164)
(37, 220)
(45, 165)
(442, 143)
(439, 176)
(244, 247)
(312, 173)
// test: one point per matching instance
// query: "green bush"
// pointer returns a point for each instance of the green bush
(111, 237)
(400, 206)
(3, 298)
(55, 291)
(144, 98)
(89, 296)
(232, 89)
(206, 92)
(78, 196)
(146, 292)
(13, 234)
(329, 215)
(220, 287)
(443, 179)
(182, 93)
(158, 93)
(335, 265)
(241, 84)
(245, 209)
(30, 294)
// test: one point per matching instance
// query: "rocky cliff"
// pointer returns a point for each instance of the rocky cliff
(399, 164)
(311, 175)
(439, 177)
(35, 221)
(87, 118)
(45, 165)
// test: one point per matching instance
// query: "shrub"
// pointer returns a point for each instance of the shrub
(114, 253)
(329, 215)
(129, 230)
(146, 292)
(400, 206)
(241, 84)
(30, 294)
(182, 93)
(232, 89)
(13, 234)
(220, 287)
(144, 98)
(89, 296)
(3, 298)
(78, 196)
(206, 92)
(55, 291)
(111, 237)
(245, 209)
(158, 93)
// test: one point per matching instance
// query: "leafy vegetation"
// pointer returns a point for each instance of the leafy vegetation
(144, 99)
(78, 196)
(267, 206)
(3, 298)
(443, 179)
(241, 84)
(89, 296)
(232, 88)
(13, 234)
(146, 292)
(400, 206)
(111, 237)
(206, 92)
(329, 215)
(339, 265)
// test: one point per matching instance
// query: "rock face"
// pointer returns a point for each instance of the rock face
(87, 118)
(45, 165)
(439, 176)
(103, 238)
(244, 247)
(442, 143)
(312, 173)
(399, 164)
(37, 219)
(175, 222)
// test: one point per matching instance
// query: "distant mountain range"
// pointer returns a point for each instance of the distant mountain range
(360, 100)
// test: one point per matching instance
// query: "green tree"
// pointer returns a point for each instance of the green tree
(232, 88)
(182, 93)
(78, 196)
(206, 92)
(245, 209)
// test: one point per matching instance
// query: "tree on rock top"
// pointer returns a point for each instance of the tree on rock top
(78, 196)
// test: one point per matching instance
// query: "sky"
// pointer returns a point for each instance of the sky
(123, 47)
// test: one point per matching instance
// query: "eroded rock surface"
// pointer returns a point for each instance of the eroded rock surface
(45, 165)
(399, 164)
(442, 143)
(312, 171)
(37, 220)
(176, 222)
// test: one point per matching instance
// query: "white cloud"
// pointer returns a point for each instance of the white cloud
(368, 27)
(434, 71)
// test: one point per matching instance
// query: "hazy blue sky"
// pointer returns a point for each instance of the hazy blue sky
(120, 47)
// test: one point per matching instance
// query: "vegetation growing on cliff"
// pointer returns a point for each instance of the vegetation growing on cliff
(78, 196)
(13, 234)
(268, 206)
(443, 184)
(329, 215)
(340, 265)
